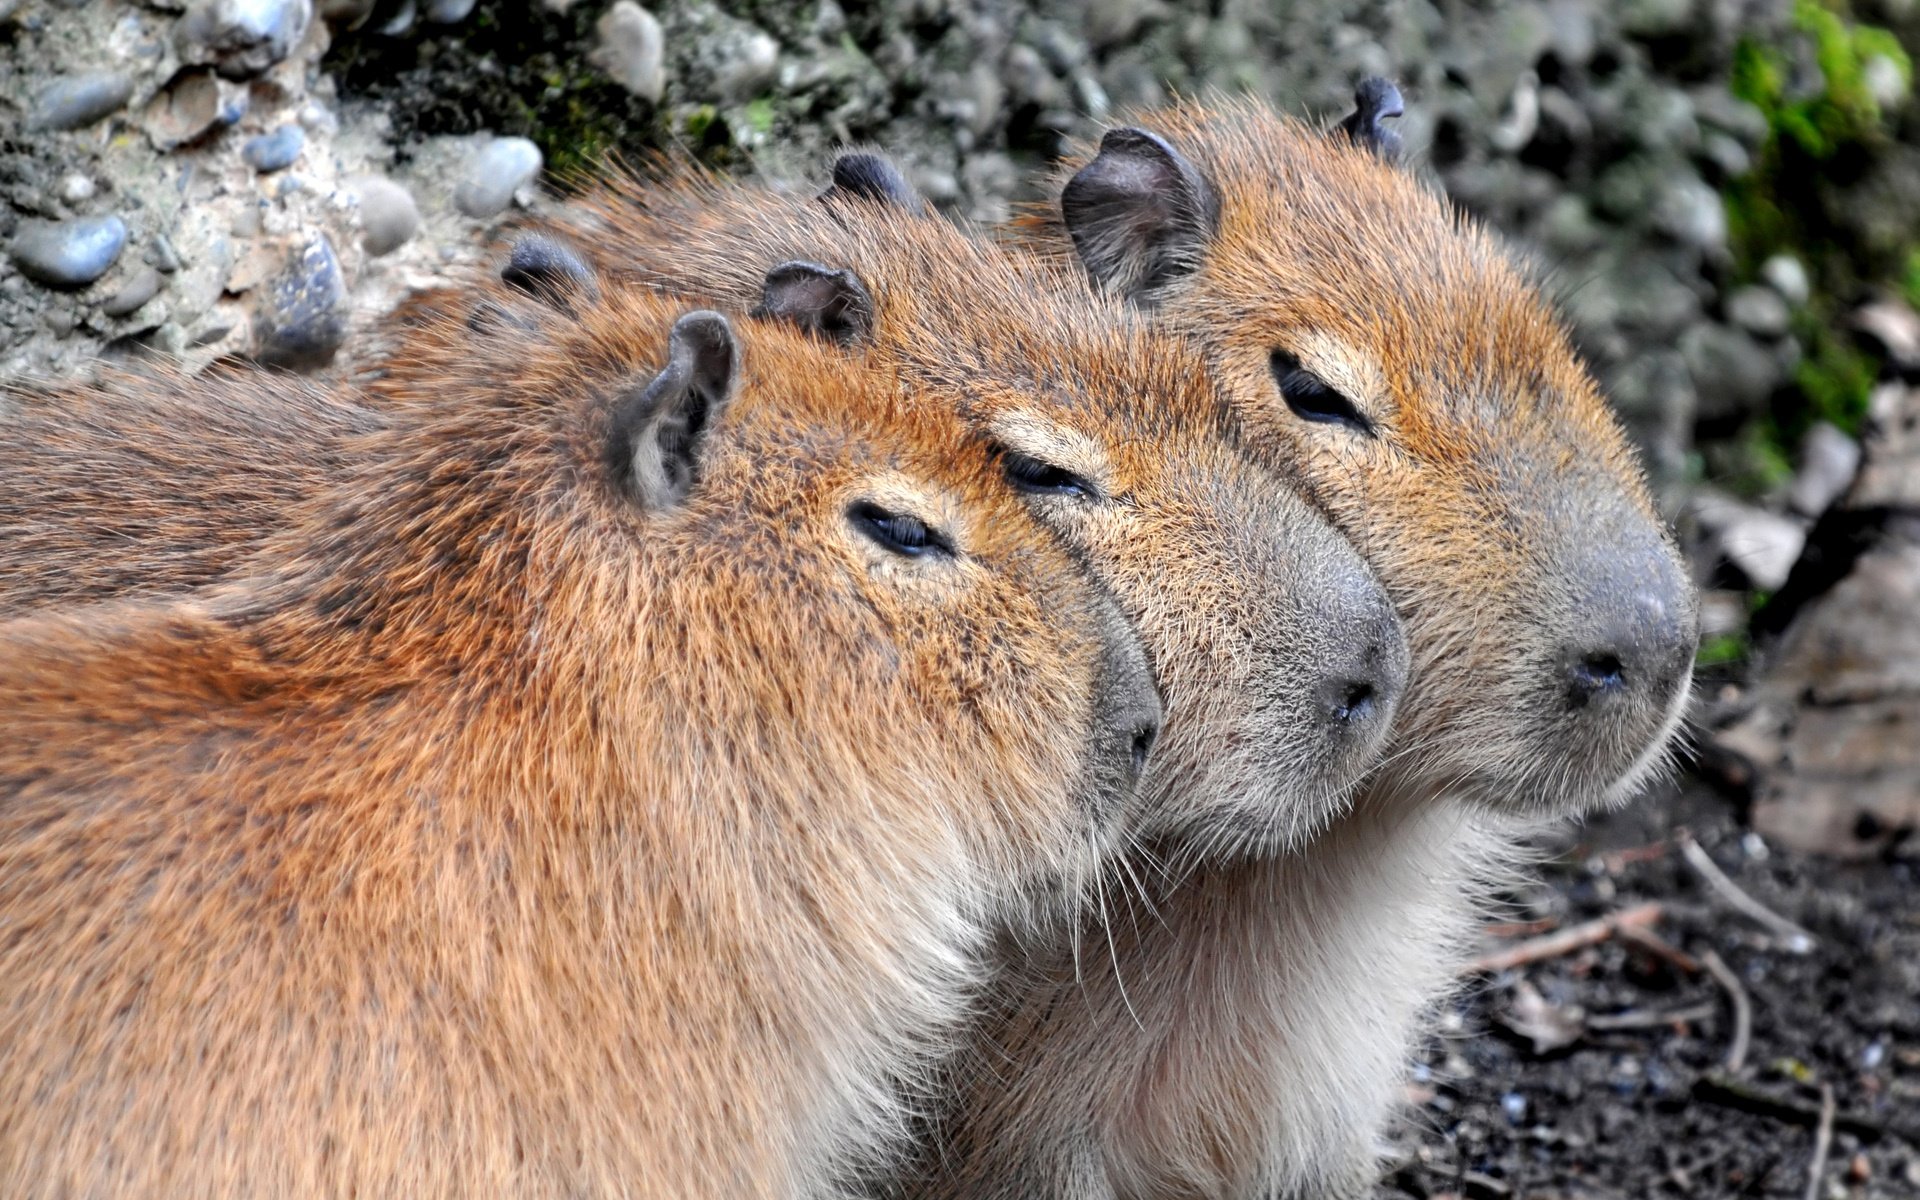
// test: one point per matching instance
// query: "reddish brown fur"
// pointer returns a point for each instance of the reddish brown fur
(488, 835)
(152, 483)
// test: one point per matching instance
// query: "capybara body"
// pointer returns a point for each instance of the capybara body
(1250, 1039)
(602, 787)
(150, 484)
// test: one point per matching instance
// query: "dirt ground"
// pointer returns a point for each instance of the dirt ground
(1602, 1074)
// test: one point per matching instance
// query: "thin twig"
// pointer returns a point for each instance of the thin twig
(1719, 1088)
(1660, 948)
(1651, 1018)
(1796, 939)
(1822, 1142)
(1565, 941)
(1742, 1010)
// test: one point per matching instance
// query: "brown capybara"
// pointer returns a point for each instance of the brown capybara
(602, 787)
(1386, 355)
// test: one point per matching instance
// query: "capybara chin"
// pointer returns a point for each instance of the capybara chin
(602, 787)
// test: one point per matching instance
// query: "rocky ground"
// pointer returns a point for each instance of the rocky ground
(1603, 1073)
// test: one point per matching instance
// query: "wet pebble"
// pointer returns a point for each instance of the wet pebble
(303, 319)
(140, 289)
(1514, 1105)
(274, 151)
(76, 101)
(68, 254)
(1759, 310)
(446, 12)
(388, 215)
(77, 188)
(244, 37)
(631, 50)
(501, 168)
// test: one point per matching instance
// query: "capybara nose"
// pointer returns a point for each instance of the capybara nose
(1364, 676)
(1633, 635)
(1128, 709)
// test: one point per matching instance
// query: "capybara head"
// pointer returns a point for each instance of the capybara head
(1388, 356)
(1277, 652)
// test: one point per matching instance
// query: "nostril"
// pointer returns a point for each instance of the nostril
(1594, 675)
(1356, 704)
(1143, 740)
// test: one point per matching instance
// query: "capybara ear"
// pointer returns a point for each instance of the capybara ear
(549, 270)
(873, 178)
(659, 429)
(825, 301)
(1375, 100)
(1140, 214)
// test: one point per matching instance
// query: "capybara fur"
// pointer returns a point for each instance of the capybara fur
(603, 786)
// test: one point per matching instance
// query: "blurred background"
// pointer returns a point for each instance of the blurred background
(1723, 195)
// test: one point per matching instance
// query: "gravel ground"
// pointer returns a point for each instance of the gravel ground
(1603, 1073)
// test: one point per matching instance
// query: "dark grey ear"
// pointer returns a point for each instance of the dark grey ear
(1375, 100)
(1140, 214)
(549, 270)
(871, 177)
(831, 303)
(659, 429)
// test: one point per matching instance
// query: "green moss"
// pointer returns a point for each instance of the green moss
(1824, 129)
(1722, 650)
(758, 115)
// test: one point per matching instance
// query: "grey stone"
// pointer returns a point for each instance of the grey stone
(302, 319)
(631, 50)
(274, 151)
(1654, 18)
(242, 38)
(1760, 545)
(161, 256)
(1692, 213)
(76, 101)
(68, 254)
(193, 105)
(1759, 311)
(144, 286)
(1788, 276)
(1828, 461)
(448, 12)
(499, 169)
(1731, 372)
(77, 188)
(1570, 31)
(388, 215)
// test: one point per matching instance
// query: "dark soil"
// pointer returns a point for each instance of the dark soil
(1650, 1112)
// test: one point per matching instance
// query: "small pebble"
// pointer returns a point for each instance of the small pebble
(68, 254)
(446, 12)
(388, 215)
(1514, 1105)
(1760, 311)
(632, 50)
(1860, 1169)
(143, 287)
(244, 37)
(274, 151)
(77, 188)
(161, 256)
(1788, 276)
(501, 168)
(77, 101)
(303, 320)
